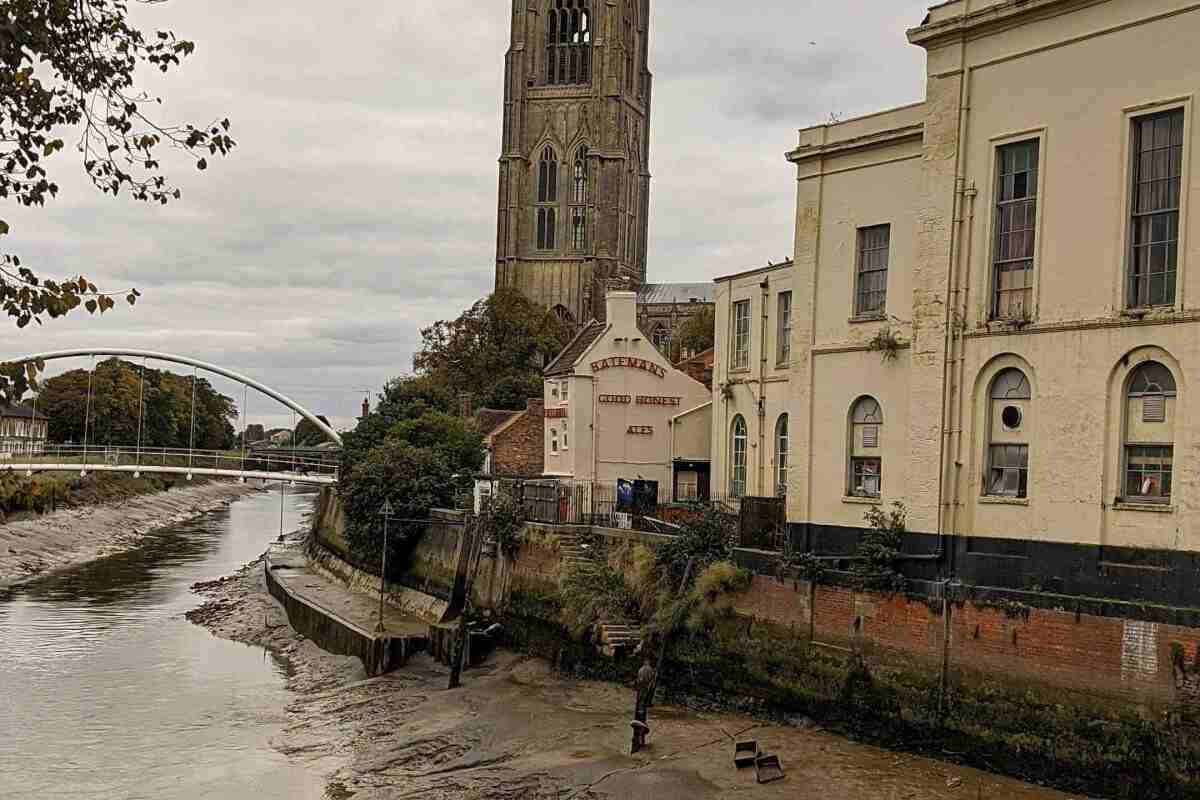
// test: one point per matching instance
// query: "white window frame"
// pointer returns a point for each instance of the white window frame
(740, 334)
(783, 347)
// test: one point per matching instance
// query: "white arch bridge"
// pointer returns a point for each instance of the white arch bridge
(316, 466)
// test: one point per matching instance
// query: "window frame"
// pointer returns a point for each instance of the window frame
(993, 447)
(1129, 279)
(997, 311)
(738, 472)
(856, 466)
(739, 353)
(547, 199)
(783, 329)
(1129, 446)
(783, 443)
(860, 253)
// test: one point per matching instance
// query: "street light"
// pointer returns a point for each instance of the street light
(384, 512)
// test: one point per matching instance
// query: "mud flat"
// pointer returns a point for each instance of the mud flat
(518, 731)
(31, 547)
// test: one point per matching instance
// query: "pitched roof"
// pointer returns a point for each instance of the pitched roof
(586, 337)
(677, 293)
(20, 412)
(489, 419)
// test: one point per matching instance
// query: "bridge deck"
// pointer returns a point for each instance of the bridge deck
(291, 477)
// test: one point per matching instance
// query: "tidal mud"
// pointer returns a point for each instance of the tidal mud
(518, 731)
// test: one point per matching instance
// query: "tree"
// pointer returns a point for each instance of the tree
(696, 334)
(495, 350)
(74, 64)
(121, 403)
(308, 434)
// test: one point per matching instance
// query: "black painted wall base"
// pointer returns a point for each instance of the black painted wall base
(1165, 577)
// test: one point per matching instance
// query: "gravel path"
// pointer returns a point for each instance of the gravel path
(31, 547)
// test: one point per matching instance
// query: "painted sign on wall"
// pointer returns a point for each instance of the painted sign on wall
(629, 362)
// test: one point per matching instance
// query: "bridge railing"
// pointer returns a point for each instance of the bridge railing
(182, 458)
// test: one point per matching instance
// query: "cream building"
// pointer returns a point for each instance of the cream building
(611, 402)
(22, 432)
(752, 364)
(995, 317)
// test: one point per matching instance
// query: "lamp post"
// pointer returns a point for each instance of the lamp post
(384, 512)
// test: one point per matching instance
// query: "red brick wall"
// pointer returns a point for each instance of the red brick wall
(518, 450)
(1105, 657)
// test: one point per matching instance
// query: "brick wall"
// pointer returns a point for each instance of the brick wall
(518, 449)
(1103, 657)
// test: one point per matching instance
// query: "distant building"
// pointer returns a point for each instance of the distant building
(663, 308)
(513, 446)
(23, 431)
(700, 366)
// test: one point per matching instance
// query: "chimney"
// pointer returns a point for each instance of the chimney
(464, 405)
(622, 312)
(536, 406)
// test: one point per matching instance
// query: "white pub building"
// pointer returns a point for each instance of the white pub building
(617, 410)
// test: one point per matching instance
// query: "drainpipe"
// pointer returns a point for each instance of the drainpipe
(765, 286)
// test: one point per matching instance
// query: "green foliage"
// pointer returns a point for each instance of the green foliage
(408, 451)
(596, 593)
(412, 479)
(494, 351)
(501, 521)
(887, 344)
(879, 549)
(696, 334)
(307, 434)
(42, 493)
(708, 540)
(807, 565)
(117, 395)
(712, 597)
(74, 65)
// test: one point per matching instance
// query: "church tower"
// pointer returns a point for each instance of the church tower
(574, 179)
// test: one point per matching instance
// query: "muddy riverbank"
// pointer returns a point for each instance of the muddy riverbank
(518, 731)
(32, 547)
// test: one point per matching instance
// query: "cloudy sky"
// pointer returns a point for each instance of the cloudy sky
(359, 205)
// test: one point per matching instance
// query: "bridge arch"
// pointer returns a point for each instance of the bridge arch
(57, 355)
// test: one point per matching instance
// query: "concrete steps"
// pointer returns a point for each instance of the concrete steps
(619, 638)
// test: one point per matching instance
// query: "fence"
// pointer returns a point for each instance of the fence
(569, 502)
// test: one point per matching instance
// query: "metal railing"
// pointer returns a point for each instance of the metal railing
(183, 459)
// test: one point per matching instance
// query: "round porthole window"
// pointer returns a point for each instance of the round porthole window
(1011, 417)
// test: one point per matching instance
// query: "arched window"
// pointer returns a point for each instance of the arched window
(630, 43)
(737, 461)
(1008, 435)
(568, 42)
(1149, 434)
(866, 458)
(782, 443)
(547, 197)
(563, 315)
(579, 198)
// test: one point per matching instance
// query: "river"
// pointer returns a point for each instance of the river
(107, 691)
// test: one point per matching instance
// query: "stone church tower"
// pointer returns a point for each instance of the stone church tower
(574, 183)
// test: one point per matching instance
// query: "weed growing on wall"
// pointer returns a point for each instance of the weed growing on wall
(878, 566)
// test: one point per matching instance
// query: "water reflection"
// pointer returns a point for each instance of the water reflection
(106, 691)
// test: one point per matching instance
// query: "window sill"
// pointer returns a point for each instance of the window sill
(851, 499)
(739, 371)
(1153, 508)
(1000, 500)
(860, 318)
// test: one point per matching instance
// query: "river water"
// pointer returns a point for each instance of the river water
(107, 692)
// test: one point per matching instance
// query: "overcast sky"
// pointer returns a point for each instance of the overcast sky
(359, 205)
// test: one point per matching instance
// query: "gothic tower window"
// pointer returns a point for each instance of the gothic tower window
(579, 198)
(630, 43)
(547, 197)
(568, 42)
